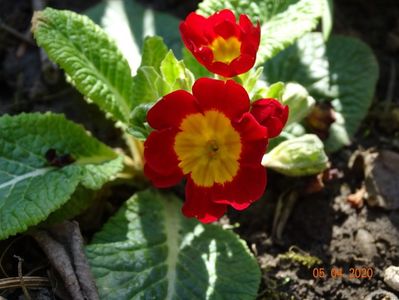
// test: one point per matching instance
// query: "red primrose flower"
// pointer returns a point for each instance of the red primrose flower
(220, 44)
(212, 138)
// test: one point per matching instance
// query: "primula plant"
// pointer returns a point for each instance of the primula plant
(249, 94)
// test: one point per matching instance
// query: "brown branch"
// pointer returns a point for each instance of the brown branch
(60, 260)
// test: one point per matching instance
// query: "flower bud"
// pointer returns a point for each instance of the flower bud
(299, 156)
(298, 100)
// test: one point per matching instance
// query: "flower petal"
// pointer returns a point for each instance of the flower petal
(199, 203)
(196, 30)
(163, 180)
(171, 110)
(226, 29)
(271, 114)
(159, 153)
(247, 187)
(242, 63)
(250, 129)
(228, 97)
(222, 15)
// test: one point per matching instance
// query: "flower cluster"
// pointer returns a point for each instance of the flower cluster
(213, 136)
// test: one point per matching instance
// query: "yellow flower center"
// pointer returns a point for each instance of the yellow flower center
(225, 51)
(209, 148)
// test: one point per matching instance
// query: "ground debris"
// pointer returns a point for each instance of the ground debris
(381, 175)
(391, 277)
(63, 245)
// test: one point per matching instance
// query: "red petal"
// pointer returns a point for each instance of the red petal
(249, 30)
(204, 55)
(196, 29)
(220, 16)
(253, 139)
(243, 63)
(252, 152)
(240, 206)
(199, 203)
(271, 114)
(245, 23)
(221, 69)
(227, 97)
(250, 129)
(171, 110)
(159, 153)
(247, 187)
(227, 29)
(163, 180)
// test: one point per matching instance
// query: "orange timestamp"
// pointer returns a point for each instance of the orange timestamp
(338, 272)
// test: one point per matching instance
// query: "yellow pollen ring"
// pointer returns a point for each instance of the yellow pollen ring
(209, 148)
(225, 51)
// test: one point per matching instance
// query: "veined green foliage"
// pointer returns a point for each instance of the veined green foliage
(282, 21)
(89, 57)
(31, 188)
(158, 75)
(299, 156)
(148, 250)
(343, 71)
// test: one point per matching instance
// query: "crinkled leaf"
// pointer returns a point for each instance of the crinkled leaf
(129, 23)
(250, 80)
(139, 126)
(175, 73)
(153, 82)
(148, 250)
(299, 156)
(344, 71)
(154, 52)
(30, 188)
(80, 200)
(91, 60)
(282, 22)
(149, 86)
(276, 91)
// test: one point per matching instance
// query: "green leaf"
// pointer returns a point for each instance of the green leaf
(139, 127)
(148, 250)
(149, 86)
(129, 23)
(154, 52)
(344, 71)
(30, 187)
(153, 82)
(276, 91)
(80, 200)
(250, 80)
(299, 156)
(175, 73)
(92, 61)
(282, 22)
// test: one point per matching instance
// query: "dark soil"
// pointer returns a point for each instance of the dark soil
(323, 224)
